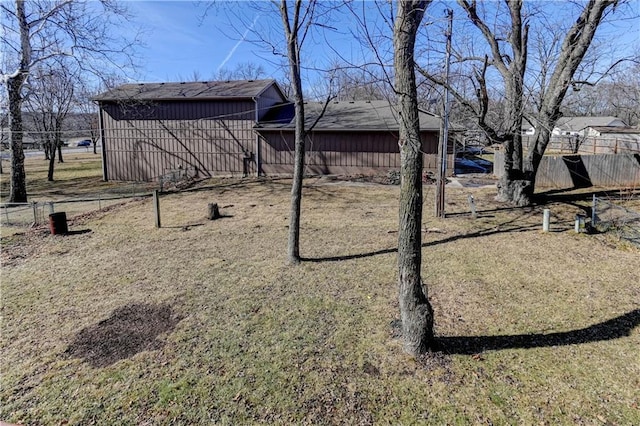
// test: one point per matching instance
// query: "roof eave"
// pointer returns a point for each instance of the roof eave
(291, 129)
(202, 98)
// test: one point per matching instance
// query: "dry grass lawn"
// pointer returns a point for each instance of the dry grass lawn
(202, 322)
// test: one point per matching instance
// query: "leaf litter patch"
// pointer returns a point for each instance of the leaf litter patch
(130, 329)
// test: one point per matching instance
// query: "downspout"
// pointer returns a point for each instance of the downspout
(257, 154)
(103, 148)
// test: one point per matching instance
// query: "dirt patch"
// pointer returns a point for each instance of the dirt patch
(130, 329)
(22, 246)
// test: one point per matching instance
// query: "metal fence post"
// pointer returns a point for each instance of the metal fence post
(593, 211)
(34, 205)
(546, 214)
(472, 206)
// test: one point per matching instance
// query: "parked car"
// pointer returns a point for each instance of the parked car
(85, 142)
(464, 165)
(475, 150)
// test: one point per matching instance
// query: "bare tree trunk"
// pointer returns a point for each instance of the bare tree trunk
(415, 309)
(18, 189)
(293, 53)
(40, 31)
(296, 186)
(59, 145)
(52, 162)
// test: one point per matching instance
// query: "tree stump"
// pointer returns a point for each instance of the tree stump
(214, 212)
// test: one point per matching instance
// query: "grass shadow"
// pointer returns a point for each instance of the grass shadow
(503, 228)
(615, 328)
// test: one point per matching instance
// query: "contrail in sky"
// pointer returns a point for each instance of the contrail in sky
(235, 47)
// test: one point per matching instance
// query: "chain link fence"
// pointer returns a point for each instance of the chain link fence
(610, 217)
(17, 217)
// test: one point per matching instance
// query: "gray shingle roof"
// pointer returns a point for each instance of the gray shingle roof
(238, 89)
(580, 123)
(343, 116)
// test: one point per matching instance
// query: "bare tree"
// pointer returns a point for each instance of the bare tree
(51, 95)
(37, 31)
(572, 51)
(4, 136)
(242, 71)
(358, 83)
(295, 30)
(506, 35)
(618, 95)
(415, 309)
(299, 19)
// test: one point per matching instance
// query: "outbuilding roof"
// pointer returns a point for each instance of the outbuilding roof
(580, 123)
(200, 90)
(343, 116)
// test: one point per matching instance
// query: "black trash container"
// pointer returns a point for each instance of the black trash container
(58, 223)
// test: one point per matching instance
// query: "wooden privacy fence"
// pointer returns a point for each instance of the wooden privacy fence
(576, 170)
(576, 144)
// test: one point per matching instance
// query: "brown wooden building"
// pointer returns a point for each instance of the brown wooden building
(351, 137)
(240, 128)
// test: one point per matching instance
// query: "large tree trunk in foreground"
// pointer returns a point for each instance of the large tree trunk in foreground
(18, 190)
(415, 309)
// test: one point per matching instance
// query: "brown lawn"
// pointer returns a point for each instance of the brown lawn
(202, 322)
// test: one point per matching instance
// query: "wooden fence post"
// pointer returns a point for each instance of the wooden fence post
(156, 207)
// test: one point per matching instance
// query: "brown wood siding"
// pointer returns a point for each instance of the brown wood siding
(164, 137)
(145, 141)
(342, 152)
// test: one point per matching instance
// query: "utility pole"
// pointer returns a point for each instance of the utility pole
(444, 130)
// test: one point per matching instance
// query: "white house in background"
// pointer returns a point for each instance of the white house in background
(567, 126)
(528, 128)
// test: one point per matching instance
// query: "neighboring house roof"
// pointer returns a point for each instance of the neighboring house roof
(581, 123)
(342, 116)
(201, 90)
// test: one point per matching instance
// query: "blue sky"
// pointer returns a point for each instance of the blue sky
(184, 37)
(180, 40)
